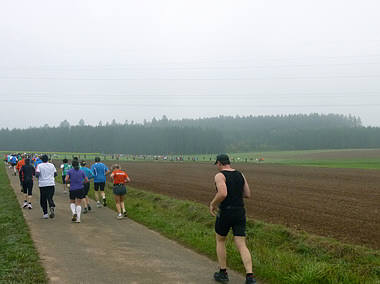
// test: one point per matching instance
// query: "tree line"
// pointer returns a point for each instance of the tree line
(198, 136)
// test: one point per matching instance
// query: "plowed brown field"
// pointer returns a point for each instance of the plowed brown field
(339, 203)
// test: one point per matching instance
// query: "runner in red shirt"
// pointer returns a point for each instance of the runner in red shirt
(120, 178)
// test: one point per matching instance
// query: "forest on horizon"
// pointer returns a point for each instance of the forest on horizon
(198, 136)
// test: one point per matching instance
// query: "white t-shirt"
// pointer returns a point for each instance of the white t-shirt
(46, 177)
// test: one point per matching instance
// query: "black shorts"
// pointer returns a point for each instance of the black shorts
(86, 188)
(231, 218)
(99, 185)
(76, 194)
(64, 179)
(27, 187)
(119, 189)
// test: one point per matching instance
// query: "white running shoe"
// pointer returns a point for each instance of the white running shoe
(98, 204)
(25, 204)
(45, 216)
(119, 216)
(30, 206)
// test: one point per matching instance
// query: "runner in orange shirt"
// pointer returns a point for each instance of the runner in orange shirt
(120, 178)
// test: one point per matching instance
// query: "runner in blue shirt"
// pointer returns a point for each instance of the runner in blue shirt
(86, 188)
(99, 171)
(14, 163)
(37, 162)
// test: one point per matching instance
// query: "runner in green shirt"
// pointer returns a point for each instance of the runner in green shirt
(65, 167)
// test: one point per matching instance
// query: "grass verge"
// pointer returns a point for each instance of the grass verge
(280, 255)
(19, 261)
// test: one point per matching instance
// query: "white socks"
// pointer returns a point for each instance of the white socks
(79, 210)
(72, 207)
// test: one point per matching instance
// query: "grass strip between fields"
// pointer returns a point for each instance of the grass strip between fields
(19, 261)
(279, 254)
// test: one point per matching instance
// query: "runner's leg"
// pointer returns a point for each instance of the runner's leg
(43, 199)
(122, 206)
(117, 202)
(244, 253)
(221, 251)
(78, 208)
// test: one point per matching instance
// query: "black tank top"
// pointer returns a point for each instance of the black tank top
(235, 190)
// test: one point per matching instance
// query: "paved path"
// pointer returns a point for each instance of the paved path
(103, 249)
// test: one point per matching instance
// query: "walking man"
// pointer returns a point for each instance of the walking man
(231, 188)
(99, 171)
(45, 173)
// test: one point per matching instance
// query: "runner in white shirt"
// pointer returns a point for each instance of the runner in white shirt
(45, 173)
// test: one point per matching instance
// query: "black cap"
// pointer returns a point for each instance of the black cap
(223, 159)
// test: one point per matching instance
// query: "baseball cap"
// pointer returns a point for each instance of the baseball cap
(222, 158)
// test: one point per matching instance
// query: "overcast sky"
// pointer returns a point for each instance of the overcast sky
(135, 60)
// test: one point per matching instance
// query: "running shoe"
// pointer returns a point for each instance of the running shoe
(250, 280)
(52, 212)
(74, 219)
(98, 204)
(30, 206)
(77, 221)
(45, 216)
(125, 213)
(104, 202)
(119, 216)
(221, 277)
(85, 210)
(89, 207)
(25, 204)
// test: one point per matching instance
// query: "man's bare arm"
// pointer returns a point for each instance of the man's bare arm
(247, 191)
(221, 194)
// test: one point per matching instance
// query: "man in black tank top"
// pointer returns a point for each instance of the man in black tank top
(228, 207)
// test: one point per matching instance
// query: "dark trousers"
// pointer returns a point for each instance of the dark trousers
(46, 196)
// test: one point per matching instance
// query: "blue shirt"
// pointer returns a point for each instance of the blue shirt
(37, 162)
(87, 172)
(14, 160)
(99, 172)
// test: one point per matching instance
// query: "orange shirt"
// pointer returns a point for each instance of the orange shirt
(119, 177)
(20, 164)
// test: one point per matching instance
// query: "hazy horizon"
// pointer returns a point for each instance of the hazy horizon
(104, 60)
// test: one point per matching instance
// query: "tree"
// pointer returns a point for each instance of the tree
(81, 122)
(64, 124)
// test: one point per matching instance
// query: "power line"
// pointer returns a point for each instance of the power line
(196, 79)
(136, 94)
(202, 104)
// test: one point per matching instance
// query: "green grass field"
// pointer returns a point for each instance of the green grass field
(19, 260)
(341, 158)
(280, 255)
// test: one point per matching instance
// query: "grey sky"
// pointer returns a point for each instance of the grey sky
(131, 60)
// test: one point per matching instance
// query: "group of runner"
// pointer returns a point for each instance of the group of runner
(227, 205)
(76, 178)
